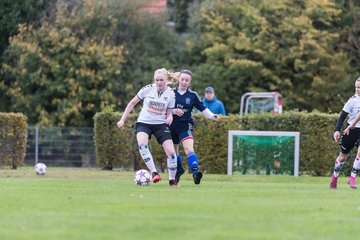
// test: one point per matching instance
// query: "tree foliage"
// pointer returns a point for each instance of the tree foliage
(85, 53)
(59, 74)
(15, 12)
(180, 14)
(274, 45)
(149, 45)
(350, 33)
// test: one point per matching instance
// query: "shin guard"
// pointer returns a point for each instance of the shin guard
(172, 166)
(356, 167)
(337, 168)
(147, 157)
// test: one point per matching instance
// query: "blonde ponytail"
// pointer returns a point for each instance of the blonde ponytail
(172, 77)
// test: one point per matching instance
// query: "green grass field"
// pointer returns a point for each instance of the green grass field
(72, 203)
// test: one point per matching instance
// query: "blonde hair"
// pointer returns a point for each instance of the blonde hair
(171, 76)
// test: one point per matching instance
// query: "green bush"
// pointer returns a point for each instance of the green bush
(114, 147)
(13, 139)
(118, 147)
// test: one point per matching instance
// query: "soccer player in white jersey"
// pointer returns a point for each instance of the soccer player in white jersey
(155, 118)
(182, 126)
(350, 138)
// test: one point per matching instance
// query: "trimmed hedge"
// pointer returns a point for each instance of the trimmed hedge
(118, 148)
(13, 139)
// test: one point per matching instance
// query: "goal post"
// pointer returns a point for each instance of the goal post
(263, 153)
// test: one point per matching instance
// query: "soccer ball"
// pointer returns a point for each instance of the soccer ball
(142, 178)
(40, 169)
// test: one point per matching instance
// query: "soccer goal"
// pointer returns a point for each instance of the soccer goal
(263, 153)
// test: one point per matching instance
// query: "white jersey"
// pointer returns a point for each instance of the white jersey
(155, 104)
(352, 106)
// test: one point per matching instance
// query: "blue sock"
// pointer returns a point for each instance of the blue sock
(193, 162)
(179, 163)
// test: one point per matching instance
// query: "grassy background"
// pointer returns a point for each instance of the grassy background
(77, 203)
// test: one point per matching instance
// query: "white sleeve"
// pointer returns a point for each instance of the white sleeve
(143, 91)
(348, 105)
(172, 100)
(208, 113)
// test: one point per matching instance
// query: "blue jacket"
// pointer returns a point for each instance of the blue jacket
(215, 106)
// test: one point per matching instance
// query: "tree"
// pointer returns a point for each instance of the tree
(13, 13)
(179, 13)
(58, 74)
(274, 45)
(116, 45)
(349, 40)
(149, 45)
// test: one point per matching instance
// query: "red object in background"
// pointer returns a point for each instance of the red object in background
(277, 164)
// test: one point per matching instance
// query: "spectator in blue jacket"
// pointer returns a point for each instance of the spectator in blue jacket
(212, 103)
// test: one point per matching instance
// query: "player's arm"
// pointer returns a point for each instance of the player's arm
(339, 123)
(207, 113)
(177, 111)
(198, 104)
(210, 114)
(169, 116)
(127, 110)
(352, 125)
(170, 109)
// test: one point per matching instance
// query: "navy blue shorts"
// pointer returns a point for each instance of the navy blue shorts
(181, 131)
(348, 142)
(160, 131)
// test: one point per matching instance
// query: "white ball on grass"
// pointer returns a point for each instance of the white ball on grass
(142, 178)
(40, 169)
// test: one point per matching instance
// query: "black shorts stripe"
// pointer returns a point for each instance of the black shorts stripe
(348, 142)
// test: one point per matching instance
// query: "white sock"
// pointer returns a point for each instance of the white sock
(172, 166)
(356, 167)
(147, 157)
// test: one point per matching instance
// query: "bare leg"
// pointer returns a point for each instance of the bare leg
(143, 140)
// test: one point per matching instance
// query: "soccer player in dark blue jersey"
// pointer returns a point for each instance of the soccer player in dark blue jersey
(182, 126)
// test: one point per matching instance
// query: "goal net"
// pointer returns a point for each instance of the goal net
(263, 153)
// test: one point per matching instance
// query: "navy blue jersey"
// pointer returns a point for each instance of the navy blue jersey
(187, 102)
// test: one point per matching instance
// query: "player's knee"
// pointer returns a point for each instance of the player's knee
(188, 150)
(342, 157)
(142, 142)
(168, 147)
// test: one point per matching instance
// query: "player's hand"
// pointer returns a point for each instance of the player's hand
(216, 117)
(120, 123)
(336, 135)
(179, 112)
(347, 130)
(169, 119)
